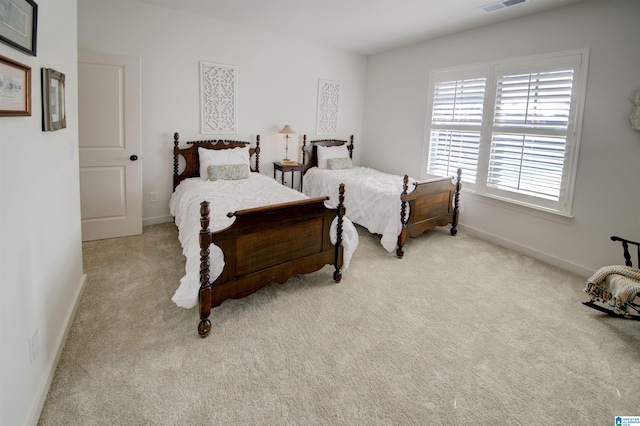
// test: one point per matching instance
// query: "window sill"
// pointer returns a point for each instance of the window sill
(523, 208)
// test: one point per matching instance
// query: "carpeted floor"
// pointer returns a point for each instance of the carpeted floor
(460, 331)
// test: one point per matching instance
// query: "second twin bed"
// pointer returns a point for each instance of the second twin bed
(393, 206)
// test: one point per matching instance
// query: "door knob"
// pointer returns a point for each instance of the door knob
(133, 157)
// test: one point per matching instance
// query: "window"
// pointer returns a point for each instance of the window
(512, 126)
(457, 121)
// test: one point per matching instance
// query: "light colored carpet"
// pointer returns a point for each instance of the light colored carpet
(460, 331)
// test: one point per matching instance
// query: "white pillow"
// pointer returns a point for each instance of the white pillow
(326, 152)
(220, 157)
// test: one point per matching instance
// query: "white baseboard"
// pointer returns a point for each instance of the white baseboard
(156, 220)
(528, 251)
(53, 362)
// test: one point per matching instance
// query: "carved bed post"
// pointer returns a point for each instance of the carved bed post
(456, 204)
(337, 275)
(257, 152)
(304, 150)
(403, 217)
(350, 147)
(205, 287)
(176, 178)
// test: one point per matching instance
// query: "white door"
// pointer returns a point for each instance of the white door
(109, 145)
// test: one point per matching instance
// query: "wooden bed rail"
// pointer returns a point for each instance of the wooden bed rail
(268, 245)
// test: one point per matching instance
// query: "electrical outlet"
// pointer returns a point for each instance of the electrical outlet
(153, 197)
(34, 346)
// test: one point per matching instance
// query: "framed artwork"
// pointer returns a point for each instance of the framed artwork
(15, 88)
(53, 111)
(218, 87)
(328, 101)
(19, 24)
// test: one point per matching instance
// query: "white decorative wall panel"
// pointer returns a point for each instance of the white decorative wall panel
(218, 87)
(328, 100)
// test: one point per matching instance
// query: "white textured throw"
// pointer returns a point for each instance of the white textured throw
(372, 198)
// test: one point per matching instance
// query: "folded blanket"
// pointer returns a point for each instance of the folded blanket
(615, 285)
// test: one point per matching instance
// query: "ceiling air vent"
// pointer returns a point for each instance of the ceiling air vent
(501, 5)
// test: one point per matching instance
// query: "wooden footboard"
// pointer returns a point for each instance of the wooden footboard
(267, 245)
(432, 203)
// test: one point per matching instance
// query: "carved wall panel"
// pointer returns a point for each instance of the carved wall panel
(328, 101)
(218, 87)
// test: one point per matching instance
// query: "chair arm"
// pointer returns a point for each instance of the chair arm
(625, 248)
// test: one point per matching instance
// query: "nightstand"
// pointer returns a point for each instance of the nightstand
(289, 167)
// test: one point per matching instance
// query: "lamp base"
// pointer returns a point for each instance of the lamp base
(287, 162)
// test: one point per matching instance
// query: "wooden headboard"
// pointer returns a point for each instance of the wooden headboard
(312, 150)
(192, 161)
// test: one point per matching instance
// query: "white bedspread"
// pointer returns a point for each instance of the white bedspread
(372, 198)
(227, 196)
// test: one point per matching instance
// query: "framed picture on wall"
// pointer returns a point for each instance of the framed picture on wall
(15, 88)
(53, 109)
(19, 24)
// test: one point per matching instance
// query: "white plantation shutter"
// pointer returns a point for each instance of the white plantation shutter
(450, 150)
(529, 136)
(537, 100)
(528, 164)
(459, 102)
(512, 126)
(456, 123)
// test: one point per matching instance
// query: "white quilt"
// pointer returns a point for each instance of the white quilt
(372, 198)
(227, 196)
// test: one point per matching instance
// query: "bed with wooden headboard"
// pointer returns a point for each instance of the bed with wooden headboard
(264, 232)
(396, 207)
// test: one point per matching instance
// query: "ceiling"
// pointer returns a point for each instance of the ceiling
(362, 26)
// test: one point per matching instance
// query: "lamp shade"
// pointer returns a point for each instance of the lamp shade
(287, 130)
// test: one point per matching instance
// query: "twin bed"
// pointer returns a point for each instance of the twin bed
(253, 231)
(393, 206)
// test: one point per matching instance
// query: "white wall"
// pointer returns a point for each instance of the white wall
(40, 249)
(277, 82)
(607, 195)
(40, 241)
